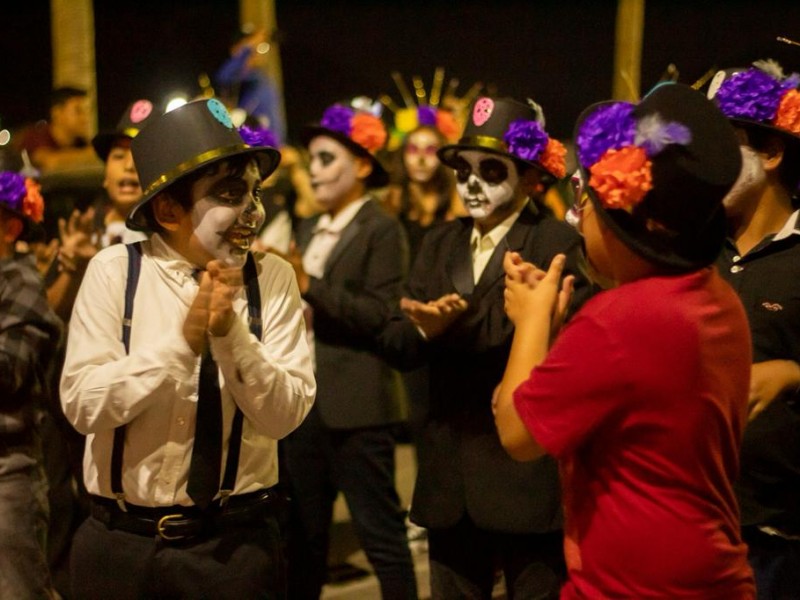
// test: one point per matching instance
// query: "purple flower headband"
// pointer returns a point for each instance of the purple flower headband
(762, 94)
(258, 136)
(616, 149)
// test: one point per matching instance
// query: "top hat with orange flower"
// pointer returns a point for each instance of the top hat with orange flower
(21, 197)
(509, 128)
(657, 172)
(357, 126)
(760, 97)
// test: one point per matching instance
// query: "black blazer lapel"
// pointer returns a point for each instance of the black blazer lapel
(348, 233)
(459, 267)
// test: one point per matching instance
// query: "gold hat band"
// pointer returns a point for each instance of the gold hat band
(484, 141)
(192, 163)
(131, 132)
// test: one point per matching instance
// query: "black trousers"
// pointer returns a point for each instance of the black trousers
(240, 562)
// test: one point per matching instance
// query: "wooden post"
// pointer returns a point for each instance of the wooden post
(628, 50)
(260, 14)
(72, 33)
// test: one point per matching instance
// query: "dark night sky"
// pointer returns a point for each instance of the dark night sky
(558, 52)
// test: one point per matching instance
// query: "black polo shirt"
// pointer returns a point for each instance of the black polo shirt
(767, 280)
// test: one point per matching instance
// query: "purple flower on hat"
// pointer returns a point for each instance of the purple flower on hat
(426, 115)
(610, 126)
(12, 190)
(258, 136)
(526, 139)
(752, 94)
(338, 118)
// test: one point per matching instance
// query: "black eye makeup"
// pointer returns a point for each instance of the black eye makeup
(230, 191)
(491, 170)
(326, 158)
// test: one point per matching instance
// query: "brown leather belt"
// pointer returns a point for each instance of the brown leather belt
(185, 523)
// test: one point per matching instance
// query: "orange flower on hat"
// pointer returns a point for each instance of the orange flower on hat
(553, 158)
(788, 115)
(447, 124)
(622, 177)
(368, 131)
(33, 203)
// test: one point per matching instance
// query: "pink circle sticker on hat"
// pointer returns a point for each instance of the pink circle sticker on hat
(220, 113)
(482, 111)
(140, 110)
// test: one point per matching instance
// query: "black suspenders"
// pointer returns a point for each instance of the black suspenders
(254, 312)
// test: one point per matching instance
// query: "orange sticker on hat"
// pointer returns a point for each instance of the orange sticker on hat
(482, 111)
(141, 110)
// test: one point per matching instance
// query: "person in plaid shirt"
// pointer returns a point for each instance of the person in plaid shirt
(29, 332)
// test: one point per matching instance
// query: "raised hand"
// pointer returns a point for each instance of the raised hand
(531, 291)
(226, 281)
(77, 245)
(435, 316)
(195, 326)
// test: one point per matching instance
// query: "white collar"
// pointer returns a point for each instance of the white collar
(789, 228)
(341, 220)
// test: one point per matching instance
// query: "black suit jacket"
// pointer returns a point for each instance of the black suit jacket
(352, 303)
(462, 468)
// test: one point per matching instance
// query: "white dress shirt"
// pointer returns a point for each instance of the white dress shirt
(153, 390)
(326, 235)
(483, 246)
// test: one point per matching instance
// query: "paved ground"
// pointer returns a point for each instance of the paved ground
(345, 548)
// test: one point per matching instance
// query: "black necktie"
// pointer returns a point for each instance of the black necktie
(204, 469)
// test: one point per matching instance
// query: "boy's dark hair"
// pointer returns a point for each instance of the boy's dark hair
(62, 95)
(181, 190)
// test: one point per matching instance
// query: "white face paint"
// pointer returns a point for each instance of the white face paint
(333, 170)
(749, 183)
(419, 156)
(485, 182)
(227, 213)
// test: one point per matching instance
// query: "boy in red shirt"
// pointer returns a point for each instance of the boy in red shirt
(642, 397)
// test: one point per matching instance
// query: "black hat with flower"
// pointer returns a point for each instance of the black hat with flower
(138, 114)
(657, 172)
(509, 128)
(183, 141)
(357, 125)
(21, 196)
(760, 97)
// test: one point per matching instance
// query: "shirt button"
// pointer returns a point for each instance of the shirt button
(181, 421)
(737, 258)
(736, 269)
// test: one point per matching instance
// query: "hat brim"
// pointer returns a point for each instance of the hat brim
(447, 154)
(787, 136)
(268, 159)
(379, 176)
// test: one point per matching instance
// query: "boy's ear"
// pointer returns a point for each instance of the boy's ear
(772, 154)
(167, 211)
(363, 168)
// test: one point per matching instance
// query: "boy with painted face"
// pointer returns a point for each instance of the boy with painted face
(761, 260)
(480, 507)
(182, 379)
(350, 266)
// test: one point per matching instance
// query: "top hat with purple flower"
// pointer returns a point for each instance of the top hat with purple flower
(657, 172)
(760, 97)
(185, 140)
(509, 128)
(357, 125)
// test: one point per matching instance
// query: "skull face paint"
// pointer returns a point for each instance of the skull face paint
(333, 169)
(419, 156)
(485, 181)
(227, 213)
(747, 187)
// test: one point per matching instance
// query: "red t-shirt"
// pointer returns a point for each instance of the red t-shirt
(643, 400)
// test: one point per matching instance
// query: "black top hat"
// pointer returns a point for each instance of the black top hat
(658, 172)
(184, 140)
(759, 97)
(509, 128)
(356, 128)
(133, 120)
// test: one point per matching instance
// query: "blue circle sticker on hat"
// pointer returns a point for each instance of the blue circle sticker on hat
(220, 113)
